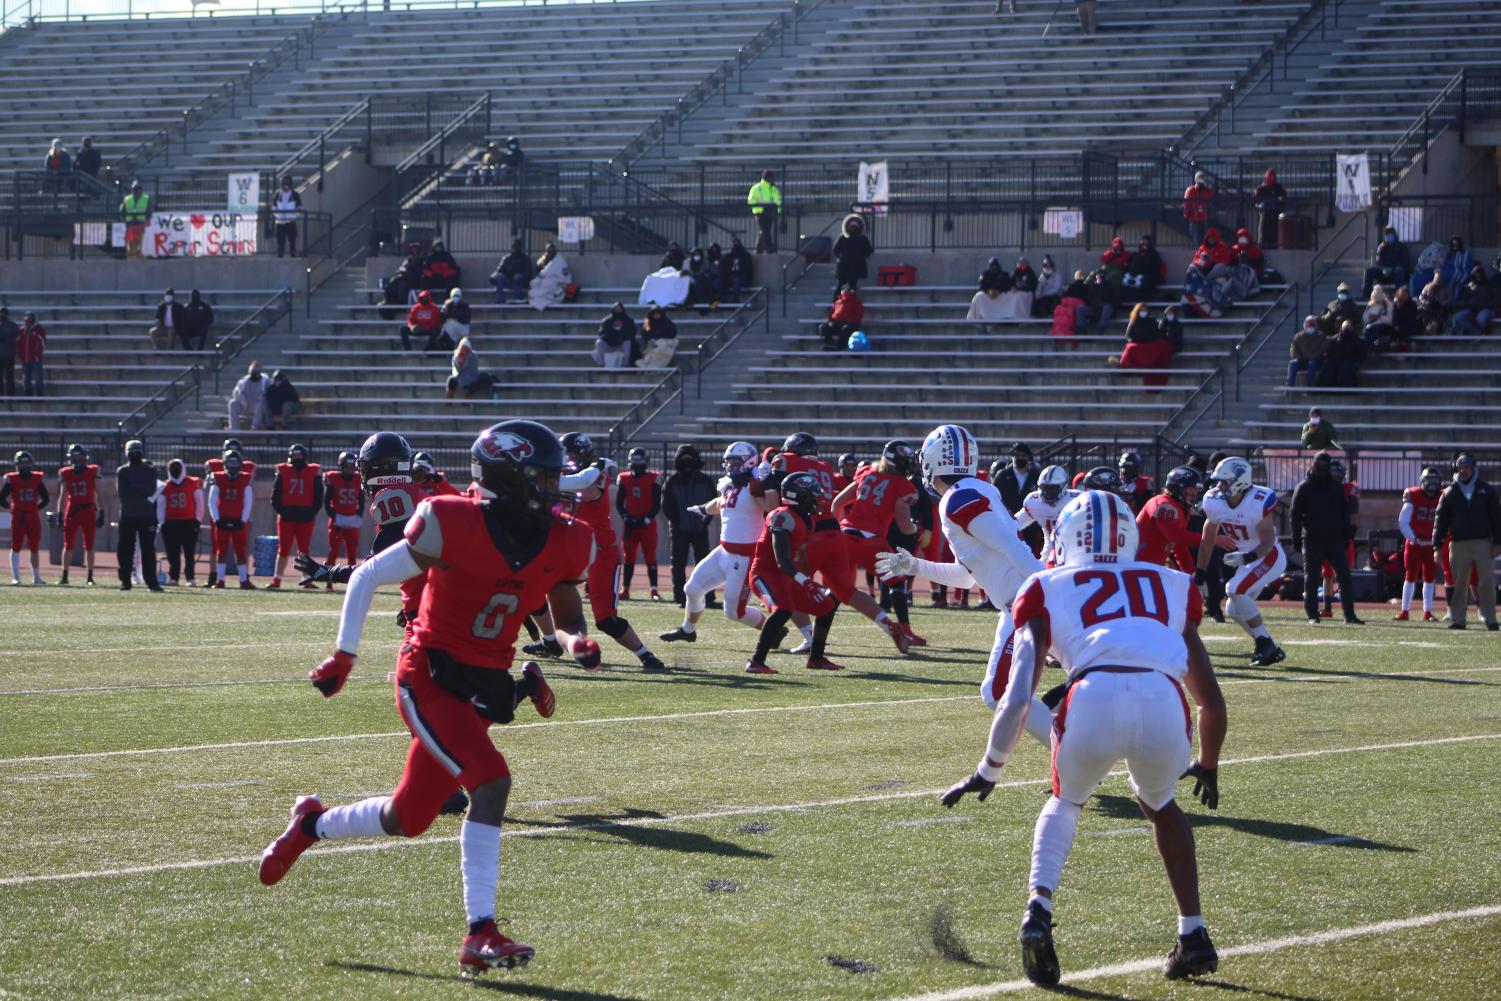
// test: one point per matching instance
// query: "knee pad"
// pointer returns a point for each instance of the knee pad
(613, 627)
(1241, 607)
(696, 603)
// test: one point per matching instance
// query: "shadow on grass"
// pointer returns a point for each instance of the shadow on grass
(503, 986)
(1125, 808)
(689, 676)
(626, 826)
(912, 679)
(1073, 991)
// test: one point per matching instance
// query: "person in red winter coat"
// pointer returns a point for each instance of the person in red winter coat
(1115, 259)
(1196, 200)
(425, 319)
(1218, 250)
(845, 317)
(1245, 245)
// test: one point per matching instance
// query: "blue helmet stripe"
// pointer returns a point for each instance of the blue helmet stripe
(1097, 514)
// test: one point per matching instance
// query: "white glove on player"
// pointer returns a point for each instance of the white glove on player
(897, 564)
(1237, 559)
(762, 470)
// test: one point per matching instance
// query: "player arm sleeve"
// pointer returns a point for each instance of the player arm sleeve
(999, 533)
(1404, 523)
(580, 481)
(656, 501)
(213, 502)
(249, 503)
(161, 507)
(392, 566)
(947, 574)
(4, 493)
(276, 495)
(317, 492)
(45, 497)
(781, 547)
(620, 500)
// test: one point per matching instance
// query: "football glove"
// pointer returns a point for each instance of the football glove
(817, 591)
(229, 524)
(586, 652)
(1206, 784)
(762, 470)
(980, 787)
(897, 564)
(317, 573)
(329, 676)
(1237, 559)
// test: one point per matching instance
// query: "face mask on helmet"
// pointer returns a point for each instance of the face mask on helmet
(298, 458)
(637, 461)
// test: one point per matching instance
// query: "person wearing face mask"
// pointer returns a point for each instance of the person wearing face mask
(1469, 520)
(1024, 279)
(1172, 327)
(688, 486)
(286, 210)
(245, 401)
(1307, 354)
(1197, 198)
(1319, 433)
(1049, 289)
(456, 316)
(703, 278)
(1457, 266)
(1114, 259)
(1269, 198)
(638, 498)
(1144, 272)
(1322, 527)
(296, 497)
(617, 334)
(170, 321)
(1340, 310)
(136, 485)
(197, 320)
(179, 510)
(1248, 247)
(1218, 250)
(1390, 264)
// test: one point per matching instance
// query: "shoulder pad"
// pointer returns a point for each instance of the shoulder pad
(781, 520)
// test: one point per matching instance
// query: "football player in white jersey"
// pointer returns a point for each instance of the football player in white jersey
(1126, 633)
(1243, 514)
(740, 517)
(1042, 506)
(988, 552)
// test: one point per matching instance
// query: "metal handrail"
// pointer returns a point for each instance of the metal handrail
(701, 220)
(280, 305)
(628, 423)
(438, 140)
(1421, 123)
(319, 143)
(789, 281)
(719, 337)
(192, 374)
(1317, 274)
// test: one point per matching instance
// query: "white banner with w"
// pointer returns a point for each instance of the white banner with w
(1353, 176)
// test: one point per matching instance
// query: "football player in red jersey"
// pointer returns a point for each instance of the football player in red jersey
(1162, 522)
(1136, 488)
(78, 485)
(342, 494)
(425, 477)
(296, 498)
(845, 474)
(1415, 520)
(826, 549)
(487, 557)
(231, 498)
(210, 467)
(24, 492)
(179, 511)
(780, 575)
(879, 496)
(638, 498)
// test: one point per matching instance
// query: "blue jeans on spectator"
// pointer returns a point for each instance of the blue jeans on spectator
(1196, 231)
(509, 285)
(30, 370)
(1095, 316)
(736, 282)
(1309, 367)
(1473, 321)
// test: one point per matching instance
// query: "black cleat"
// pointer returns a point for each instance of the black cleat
(651, 662)
(1354, 620)
(1193, 955)
(544, 648)
(455, 805)
(1267, 653)
(1039, 961)
(677, 634)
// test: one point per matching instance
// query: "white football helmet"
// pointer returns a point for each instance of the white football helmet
(1095, 527)
(1232, 477)
(949, 451)
(739, 455)
(1052, 482)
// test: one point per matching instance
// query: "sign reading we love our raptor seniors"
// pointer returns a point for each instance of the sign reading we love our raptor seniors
(200, 234)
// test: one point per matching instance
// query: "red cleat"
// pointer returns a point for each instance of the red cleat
(278, 857)
(1400, 617)
(912, 638)
(655, 596)
(219, 584)
(275, 584)
(756, 667)
(488, 948)
(1327, 614)
(624, 595)
(823, 664)
(1429, 617)
(894, 630)
(245, 585)
(541, 696)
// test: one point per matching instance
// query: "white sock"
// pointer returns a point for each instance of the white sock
(689, 627)
(244, 571)
(15, 565)
(807, 632)
(1040, 722)
(357, 820)
(220, 568)
(1045, 902)
(1428, 590)
(882, 619)
(1189, 925)
(1051, 841)
(1407, 589)
(479, 855)
(1260, 631)
(642, 651)
(550, 637)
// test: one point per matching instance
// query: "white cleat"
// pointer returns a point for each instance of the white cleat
(806, 646)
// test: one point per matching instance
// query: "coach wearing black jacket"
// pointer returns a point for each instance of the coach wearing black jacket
(1322, 528)
(686, 487)
(1469, 515)
(137, 485)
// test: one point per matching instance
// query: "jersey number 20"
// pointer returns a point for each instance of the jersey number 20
(1144, 597)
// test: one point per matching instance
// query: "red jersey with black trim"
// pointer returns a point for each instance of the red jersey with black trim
(1162, 526)
(1138, 492)
(391, 509)
(213, 466)
(231, 493)
(877, 496)
(788, 462)
(437, 485)
(474, 604)
(637, 492)
(25, 491)
(342, 493)
(1424, 511)
(841, 481)
(297, 484)
(597, 515)
(181, 502)
(80, 487)
(784, 520)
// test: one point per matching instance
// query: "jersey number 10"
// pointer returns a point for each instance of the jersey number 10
(1144, 596)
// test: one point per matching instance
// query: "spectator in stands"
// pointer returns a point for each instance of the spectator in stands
(1318, 433)
(400, 290)
(845, 317)
(1197, 198)
(512, 159)
(1341, 310)
(765, 201)
(9, 333)
(512, 275)
(456, 316)
(1430, 259)
(553, 279)
(1457, 265)
(88, 161)
(1306, 353)
(1269, 199)
(1102, 298)
(1344, 357)
(1145, 271)
(736, 270)
(1407, 326)
(616, 339)
(246, 399)
(986, 306)
(488, 166)
(1172, 327)
(1469, 516)
(439, 270)
(1024, 279)
(1146, 347)
(31, 349)
(852, 253)
(673, 257)
(1434, 303)
(286, 210)
(1476, 304)
(1389, 264)
(424, 320)
(1066, 314)
(1113, 260)
(465, 377)
(281, 402)
(135, 209)
(659, 336)
(169, 320)
(1378, 321)
(1049, 289)
(57, 166)
(714, 254)
(197, 321)
(1250, 248)
(1085, 10)
(703, 279)
(1218, 250)
(994, 277)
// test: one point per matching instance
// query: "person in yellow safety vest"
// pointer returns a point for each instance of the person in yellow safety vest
(135, 210)
(765, 201)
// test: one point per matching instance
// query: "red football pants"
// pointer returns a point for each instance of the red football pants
(79, 521)
(1418, 563)
(25, 530)
(236, 540)
(642, 542)
(349, 538)
(290, 533)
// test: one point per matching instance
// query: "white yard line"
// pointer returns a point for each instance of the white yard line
(1248, 949)
(736, 811)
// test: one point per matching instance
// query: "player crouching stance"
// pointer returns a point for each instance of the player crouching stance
(1243, 514)
(1126, 634)
(778, 572)
(487, 556)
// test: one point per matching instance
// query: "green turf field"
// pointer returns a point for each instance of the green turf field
(707, 835)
